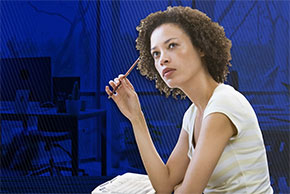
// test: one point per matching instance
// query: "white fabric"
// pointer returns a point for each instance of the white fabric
(243, 166)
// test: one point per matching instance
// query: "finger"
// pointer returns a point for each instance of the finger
(109, 92)
(121, 76)
(112, 84)
(117, 81)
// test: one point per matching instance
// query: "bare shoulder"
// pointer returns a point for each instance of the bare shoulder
(218, 122)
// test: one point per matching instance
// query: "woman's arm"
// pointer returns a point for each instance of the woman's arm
(214, 135)
(162, 176)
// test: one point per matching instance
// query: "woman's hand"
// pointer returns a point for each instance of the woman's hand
(125, 97)
(177, 188)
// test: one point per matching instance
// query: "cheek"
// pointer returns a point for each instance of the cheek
(158, 69)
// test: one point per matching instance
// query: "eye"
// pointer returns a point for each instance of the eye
(172, 45)
(155, 54)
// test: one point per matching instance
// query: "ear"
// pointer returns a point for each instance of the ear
(201, 53)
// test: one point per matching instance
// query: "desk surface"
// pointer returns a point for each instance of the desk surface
(47, 184)
(50, 120)
(52, 112)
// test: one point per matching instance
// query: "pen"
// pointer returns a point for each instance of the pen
(127, 73)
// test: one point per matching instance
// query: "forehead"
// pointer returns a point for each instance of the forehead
(165, 32)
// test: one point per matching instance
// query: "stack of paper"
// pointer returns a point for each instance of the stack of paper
(128, 183)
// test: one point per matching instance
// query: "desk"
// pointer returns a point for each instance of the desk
(50, 120)
(48, 184)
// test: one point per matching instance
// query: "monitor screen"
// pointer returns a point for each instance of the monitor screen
(32, 73)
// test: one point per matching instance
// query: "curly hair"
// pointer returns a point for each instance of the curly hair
(206, 35)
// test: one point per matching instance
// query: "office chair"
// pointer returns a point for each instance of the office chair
(233, 79)
(277, 146)
(50, 139)
(16, 156)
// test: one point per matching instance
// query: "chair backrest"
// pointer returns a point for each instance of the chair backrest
(233, 79)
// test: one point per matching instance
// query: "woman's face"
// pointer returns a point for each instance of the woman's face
(176, 59)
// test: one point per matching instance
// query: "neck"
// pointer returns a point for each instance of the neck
(199, 90)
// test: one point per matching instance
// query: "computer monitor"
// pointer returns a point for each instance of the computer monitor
(30, 73)
(63, 86)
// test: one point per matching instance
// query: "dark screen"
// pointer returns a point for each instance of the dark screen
(33, 74)
(63, 86)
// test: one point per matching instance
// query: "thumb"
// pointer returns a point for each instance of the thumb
(123, 87)
(128, 83)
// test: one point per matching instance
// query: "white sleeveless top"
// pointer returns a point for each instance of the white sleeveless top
(243, 166)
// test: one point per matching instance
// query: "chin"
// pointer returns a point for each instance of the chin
(171, 84)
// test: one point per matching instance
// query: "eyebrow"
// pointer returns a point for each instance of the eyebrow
(165, 42)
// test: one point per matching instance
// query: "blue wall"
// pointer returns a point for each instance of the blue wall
(99, 45)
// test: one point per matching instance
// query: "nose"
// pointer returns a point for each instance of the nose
(164, 59)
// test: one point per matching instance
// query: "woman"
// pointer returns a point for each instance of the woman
(220, 148)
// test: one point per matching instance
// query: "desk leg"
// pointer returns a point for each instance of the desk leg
(75, 147)
(1, 151)
(104, 145)
(25, 124)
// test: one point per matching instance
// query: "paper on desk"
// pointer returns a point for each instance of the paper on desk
(128, 183)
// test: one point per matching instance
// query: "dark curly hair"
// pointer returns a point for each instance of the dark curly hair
(206, 35)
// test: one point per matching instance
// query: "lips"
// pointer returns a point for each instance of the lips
(167, 71)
